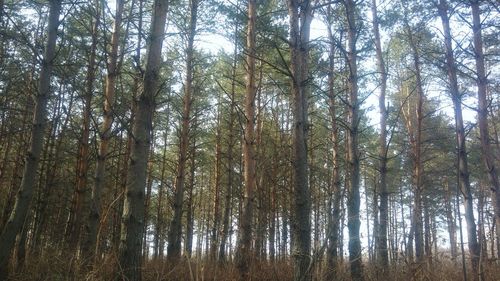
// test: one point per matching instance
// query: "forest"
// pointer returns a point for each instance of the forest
(249, 140)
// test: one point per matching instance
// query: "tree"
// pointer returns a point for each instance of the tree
(381, 236)
(300, 13)
(76, 216)
(463, 167)
(482, 116)
(244, 253)
(174, 237)
(105, 130)
(353, 197)
(133, 208)
(24, 195)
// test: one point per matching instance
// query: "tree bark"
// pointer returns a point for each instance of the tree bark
(230, 157)
(243, 252)
(450, 219)
(463, 169)
(175, 232)
(415, 136)
(353, 197)
(25, 193)
(214, 236)
(133, 209)
(104, 132)
(158, 236)
(300, 14)
(335, 193)
(189, 215)
(381, 236)
(487, 152)
(83, 153)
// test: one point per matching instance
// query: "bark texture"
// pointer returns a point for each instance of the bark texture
(243, 253)
(382, 253)
(487, 151)
(353, 163)
(132, 227)
(463, 168)
(105, 131)
(25, 193)
(300, 14)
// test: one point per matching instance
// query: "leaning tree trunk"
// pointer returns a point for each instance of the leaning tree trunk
(353, 197)
(300, 13)
(482, 116)
(175, 232)
(133, 209)
(463, 175)
(243, 252)
(25, 193)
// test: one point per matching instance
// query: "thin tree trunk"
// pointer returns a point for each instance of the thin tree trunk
(300, 14)
(487, 152)
(25, 193)
(214, 237)
(158, 236)
(133, 208)
(452, 232)
(230, 157)
(175, 231)
(104, 133)
(335, 184)
(272, 223)
(427, 234)
(381, 236)
(353, 198)
(463, 175)
(415, 134)
(243, 252)
(83, 154)
(189, 215)
(147, 199)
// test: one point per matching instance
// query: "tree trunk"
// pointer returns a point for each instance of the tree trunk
(25, 193)
(243, 252)
(300, 13)
(147, 199)
(487, 151)
(104, 132)
(381, 236)
(189, 215)
(230, 157)
(335, 193)
(158, 236)
(83, 153)
(214, 237)
(463, 175)
(133, 208)
(175, 231)
(415, 135)
(353, 198)
(452, 232)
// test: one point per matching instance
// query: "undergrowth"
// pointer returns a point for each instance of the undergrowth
(55, 267)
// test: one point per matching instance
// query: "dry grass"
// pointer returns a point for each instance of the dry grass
(55, 267)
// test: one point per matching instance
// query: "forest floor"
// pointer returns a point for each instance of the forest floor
(59, 267)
